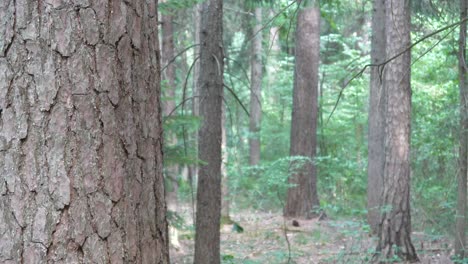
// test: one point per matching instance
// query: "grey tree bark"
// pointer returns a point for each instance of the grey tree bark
(256, 90)
(80, 133)
(303, 199)
(395, 223)
(376, 132)
(460, 232)
(207, 238)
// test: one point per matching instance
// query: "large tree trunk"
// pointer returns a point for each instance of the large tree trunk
(256, 90)
(460, 237)
(207, 238)
(168, 81)
(376, 138)
(302, 199)
(81, 133)
(395, 223)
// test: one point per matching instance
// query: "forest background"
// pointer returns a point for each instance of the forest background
(343, 107)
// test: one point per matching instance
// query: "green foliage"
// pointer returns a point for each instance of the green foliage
(170, 6)
(264, 186)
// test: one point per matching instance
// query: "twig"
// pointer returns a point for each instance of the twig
(389, 60)
(237, 99)
(177, 55)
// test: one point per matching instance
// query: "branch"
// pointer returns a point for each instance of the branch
(389, 60)
(177, 55)
(237, 99)
(271, 20)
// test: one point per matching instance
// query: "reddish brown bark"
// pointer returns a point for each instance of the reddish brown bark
(302, 199)
(80, 133)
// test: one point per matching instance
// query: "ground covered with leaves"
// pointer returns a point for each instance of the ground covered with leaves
(266, 237)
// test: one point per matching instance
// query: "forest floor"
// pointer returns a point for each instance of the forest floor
(263, 240)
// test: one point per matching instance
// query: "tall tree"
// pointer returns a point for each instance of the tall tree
(460, 234)
(207, 238)
(395, 223)
(302, 198)
(80, 133)
(168, 79)
(376, 138)
(256, 89)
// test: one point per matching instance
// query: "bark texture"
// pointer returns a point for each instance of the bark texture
(207, 238)
(302, 199)
(80, 133)
(460, 232)
(376, 137)
(395, 223)
(256, 90)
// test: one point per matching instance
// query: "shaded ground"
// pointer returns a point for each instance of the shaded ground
(313, 241)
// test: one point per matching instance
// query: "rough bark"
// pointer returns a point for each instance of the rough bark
(80, 133)
(460, 232)
(302, 199)
(207, 238)
(376, 136)
(395, 224)
(256, 90)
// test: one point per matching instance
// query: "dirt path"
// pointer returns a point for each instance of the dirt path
(313, 241)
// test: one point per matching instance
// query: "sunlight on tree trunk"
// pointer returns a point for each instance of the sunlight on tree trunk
(302, 199)
(207, 236)
(376, 151)
(460, 234)
(395, 224)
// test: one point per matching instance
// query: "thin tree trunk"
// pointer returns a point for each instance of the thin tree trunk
(168, 80)
(376, 138)
(225, 203)
(395, 224)
(302, 199)
(81, 134)
(207, 238)
(256, 90)
(273, 53)
(460, 232)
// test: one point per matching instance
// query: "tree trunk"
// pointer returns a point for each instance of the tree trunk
(460, 237)
(207, 238)
(256, 90)
(395, 224)
(81, 134)
(225, 203)
(273, 55)
(376, 138)
(302, 199)
(168, 80)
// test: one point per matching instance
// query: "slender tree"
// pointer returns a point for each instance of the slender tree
(207, 238)
(302, 198)
(256, 89)
(81, 133)
(460, 234)
(168, 80)
(376, 138)
(395, 223)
